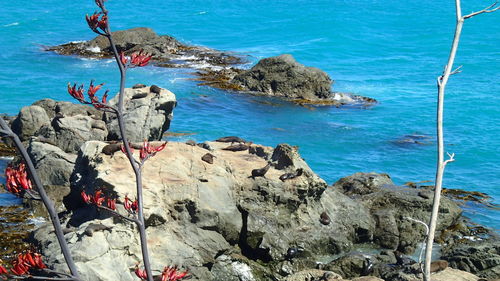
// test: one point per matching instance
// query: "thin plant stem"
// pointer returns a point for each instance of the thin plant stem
(137, 171)
(49, 205)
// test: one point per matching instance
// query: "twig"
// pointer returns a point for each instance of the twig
(457, 70)
(451, 159)
(426, 233)
(485, 10)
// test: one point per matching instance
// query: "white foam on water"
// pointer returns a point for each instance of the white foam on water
(11, 24)
(187, 58)
(94, 49)
(37, 221)
(7, 158)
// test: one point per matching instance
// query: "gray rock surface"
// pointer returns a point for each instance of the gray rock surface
(56, 130)
(29, 121)
(147, 114)
(481, 257)
(390, 206)
(282, 76)
(53, 164)
(221, 224)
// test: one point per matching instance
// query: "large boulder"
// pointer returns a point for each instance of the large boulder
(63, 124)
(282, 76)
(53, 165)
(148, 112)
(29, 121)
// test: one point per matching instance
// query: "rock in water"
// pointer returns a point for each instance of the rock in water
(282, 76)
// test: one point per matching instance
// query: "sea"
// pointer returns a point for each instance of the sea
(388, 50)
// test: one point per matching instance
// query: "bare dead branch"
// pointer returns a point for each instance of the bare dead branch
(488, 9)
(426, 233)
(456, 70)
(451, 158)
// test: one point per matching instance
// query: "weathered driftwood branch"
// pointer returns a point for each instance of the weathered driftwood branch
(441, 163)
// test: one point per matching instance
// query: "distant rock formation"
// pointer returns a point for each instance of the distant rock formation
(279, 76)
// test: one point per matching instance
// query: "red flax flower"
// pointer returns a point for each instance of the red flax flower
(111, 203)
(96, 199)
(148, 151)
(137, 59)
(141, 273)
(171, 273)
(24, 262)
(17, 179)
(130, 206)
(93, 99)
(77, 93)
(97, 21)
(3, 270)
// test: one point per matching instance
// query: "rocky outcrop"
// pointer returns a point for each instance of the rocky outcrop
(481, 257)
(166, 50)
(221, 223)
(282, 76)
(279, 76)
(62, 124)
(391, 207)
(56, 130)
(147, 114)
(213, 216)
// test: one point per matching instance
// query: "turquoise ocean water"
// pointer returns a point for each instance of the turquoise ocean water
(388, 50)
